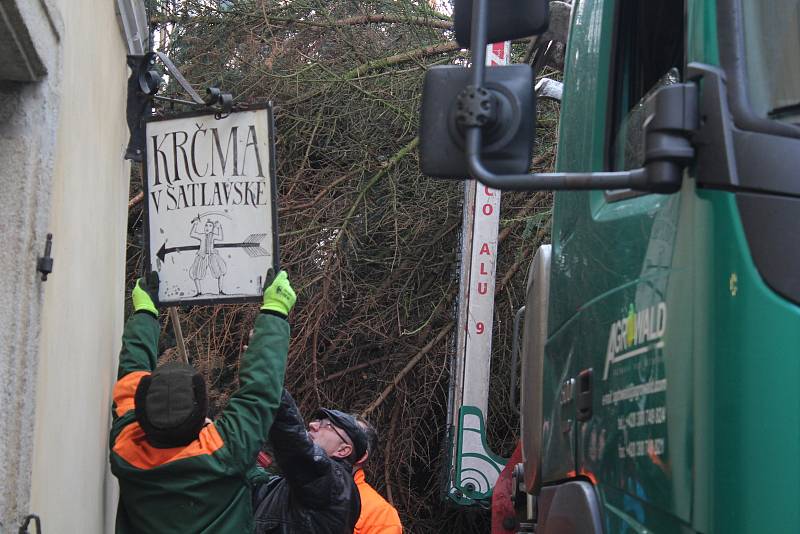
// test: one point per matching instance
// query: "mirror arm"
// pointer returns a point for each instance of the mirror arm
(477, 45)
(668, 132)
(634, 179)
(556, 181)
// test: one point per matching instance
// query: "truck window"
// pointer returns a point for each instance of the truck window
(772, 46)
(648, 53)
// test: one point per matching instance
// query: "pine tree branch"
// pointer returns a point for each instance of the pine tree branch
(410, 55)
(393, 19)
(402, 153)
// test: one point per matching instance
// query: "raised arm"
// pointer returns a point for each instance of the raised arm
(305, 465)
(193, 232)
(244, 423)
(139, 351)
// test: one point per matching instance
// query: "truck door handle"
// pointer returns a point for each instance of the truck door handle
(584, 404)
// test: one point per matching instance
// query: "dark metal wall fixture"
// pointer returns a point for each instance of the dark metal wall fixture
(143, 85)
(45, 263)
(23, 528)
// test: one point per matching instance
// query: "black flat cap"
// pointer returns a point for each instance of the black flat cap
(348, 423)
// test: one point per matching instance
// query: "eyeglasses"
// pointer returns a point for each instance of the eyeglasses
(326, 423)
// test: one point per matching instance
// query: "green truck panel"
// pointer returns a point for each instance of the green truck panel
(695, 362)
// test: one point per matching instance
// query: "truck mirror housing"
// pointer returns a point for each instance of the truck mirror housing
(508, 19)
(450, 105)
(480, 121)
(487, 132)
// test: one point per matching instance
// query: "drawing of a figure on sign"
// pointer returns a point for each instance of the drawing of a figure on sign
(207, 259)
(211, 207)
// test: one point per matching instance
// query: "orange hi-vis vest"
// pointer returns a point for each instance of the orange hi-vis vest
(377, 515)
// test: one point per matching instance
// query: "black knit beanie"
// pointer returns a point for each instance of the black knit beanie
(171, 405)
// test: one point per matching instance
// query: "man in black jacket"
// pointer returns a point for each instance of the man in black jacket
(316, 493)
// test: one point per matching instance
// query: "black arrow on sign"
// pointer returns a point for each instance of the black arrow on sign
(251, 245)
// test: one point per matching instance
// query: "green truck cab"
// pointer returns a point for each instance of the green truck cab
(661, 343)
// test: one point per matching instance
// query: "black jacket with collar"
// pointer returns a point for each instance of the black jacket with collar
(315, 495)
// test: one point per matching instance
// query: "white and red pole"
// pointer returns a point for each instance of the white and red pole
(472, 361)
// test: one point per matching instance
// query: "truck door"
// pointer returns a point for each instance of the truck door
(620, 277)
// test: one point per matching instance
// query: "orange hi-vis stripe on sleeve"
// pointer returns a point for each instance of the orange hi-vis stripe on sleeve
(125, 391)
(132, 447)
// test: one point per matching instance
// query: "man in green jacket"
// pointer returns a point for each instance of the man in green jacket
(178, 472)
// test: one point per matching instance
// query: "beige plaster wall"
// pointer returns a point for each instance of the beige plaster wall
(72, 489)
(28, 123)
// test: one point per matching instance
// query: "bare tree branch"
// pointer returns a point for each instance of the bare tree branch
(407, 369)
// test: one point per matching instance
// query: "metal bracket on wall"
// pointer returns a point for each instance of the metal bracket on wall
(143, 85)
(23, 528)
(45, 263)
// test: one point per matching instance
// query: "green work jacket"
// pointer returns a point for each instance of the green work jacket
(202, 487)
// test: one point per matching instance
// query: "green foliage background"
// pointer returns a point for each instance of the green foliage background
(370, 244)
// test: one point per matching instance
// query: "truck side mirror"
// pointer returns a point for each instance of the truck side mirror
(494, 116)
(507, 20)
(450, 105)
(487, 132)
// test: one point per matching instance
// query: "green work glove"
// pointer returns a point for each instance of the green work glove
(145, 294)
(279, 296)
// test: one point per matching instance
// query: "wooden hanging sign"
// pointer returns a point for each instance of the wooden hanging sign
(212, 230)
